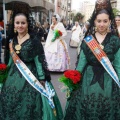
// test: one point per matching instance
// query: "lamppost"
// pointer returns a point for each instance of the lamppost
(67, 12)
(69, 8)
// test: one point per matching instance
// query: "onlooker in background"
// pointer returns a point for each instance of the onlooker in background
(45, 30)
(74, 41)
(117, 19)
(68, 27)
(0, 42)
(82, 34)
(64, 22)
(39, 30)
(86, 26)
(48, 28)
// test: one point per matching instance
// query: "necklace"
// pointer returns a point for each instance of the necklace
(18, 46)
(22, 36)
(102, 33)
(102, 47)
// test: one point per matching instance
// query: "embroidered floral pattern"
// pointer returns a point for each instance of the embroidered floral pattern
(18, 99)
(90, 101)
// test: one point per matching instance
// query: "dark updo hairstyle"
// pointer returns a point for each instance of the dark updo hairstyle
(55, 17)
(30, 26)
(20, 8)
(104, 11)
(117, 16)
(99, 9)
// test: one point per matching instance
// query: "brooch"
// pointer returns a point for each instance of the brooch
(18, 48)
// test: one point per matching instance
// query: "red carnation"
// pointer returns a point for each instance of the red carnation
(73, 75)
(70, 80)
(3, 72)
(3, 67)
(60, 33)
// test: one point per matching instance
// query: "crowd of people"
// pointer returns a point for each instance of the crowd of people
(28, 94)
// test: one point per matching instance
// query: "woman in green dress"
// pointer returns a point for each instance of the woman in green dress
(18, 99)
(98, 95)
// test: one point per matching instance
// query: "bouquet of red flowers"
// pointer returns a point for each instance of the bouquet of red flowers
(70, 79)
(57, 33)
(3, 74)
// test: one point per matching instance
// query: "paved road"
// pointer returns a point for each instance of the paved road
(55, 76)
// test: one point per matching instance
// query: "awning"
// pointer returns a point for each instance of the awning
(34, 3)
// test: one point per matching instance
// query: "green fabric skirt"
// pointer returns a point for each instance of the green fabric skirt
(20, 101)
(92, 102)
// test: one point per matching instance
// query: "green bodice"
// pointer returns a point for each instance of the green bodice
(111, 46)
(98, 94)
(32, 54)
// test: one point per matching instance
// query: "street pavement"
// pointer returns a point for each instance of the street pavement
(55, 75)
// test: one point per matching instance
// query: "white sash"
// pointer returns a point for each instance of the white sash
(32, 80)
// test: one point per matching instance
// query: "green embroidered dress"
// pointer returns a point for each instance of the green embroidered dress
(98, 96)
(19, 100)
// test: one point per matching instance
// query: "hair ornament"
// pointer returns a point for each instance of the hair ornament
(101, 4)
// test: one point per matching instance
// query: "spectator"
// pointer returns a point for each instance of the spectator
(39, 30)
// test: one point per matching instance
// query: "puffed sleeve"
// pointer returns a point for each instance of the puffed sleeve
(40, 71)
(10, 61)
(40, 61)
(116, 63)
(81, 62)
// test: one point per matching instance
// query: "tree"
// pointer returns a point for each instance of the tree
(116, 11)
(72, 15)
(78, 17)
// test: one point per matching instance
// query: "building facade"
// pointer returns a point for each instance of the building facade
(115, 4)
(87, 9)
(42, 10)
(63, 9)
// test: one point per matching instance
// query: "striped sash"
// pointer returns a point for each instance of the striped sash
(32, 80)
(102, 57)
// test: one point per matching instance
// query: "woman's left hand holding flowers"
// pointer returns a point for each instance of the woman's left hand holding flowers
(71, 78)
(57, 34)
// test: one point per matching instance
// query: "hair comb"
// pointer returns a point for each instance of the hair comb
(101, 4)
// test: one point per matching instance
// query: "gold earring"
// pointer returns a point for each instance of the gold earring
(95, 29)
(15, 30)
(27, 30)
(108, 29)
